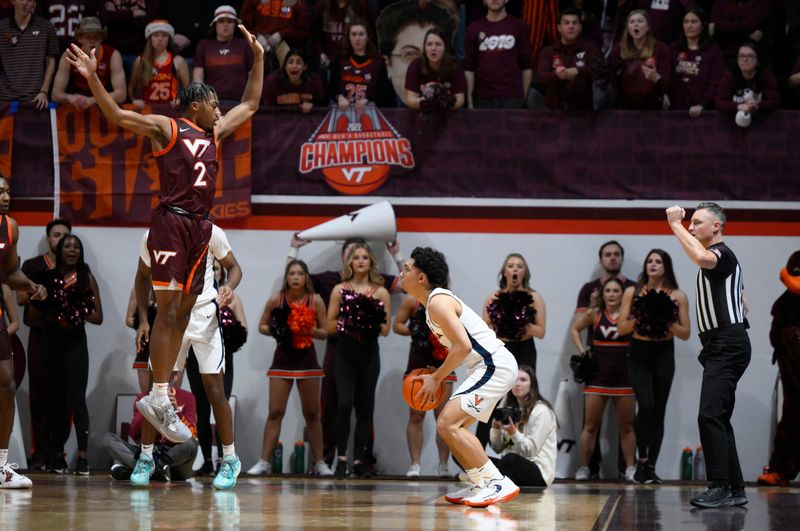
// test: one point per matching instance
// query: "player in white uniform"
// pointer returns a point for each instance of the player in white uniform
(204, 335)
(492, 372)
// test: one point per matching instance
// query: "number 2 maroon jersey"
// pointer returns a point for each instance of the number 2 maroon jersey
(187, 168)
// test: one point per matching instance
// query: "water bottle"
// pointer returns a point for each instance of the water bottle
(686, 464)
(299, 458)
(699, 465)
(277, 459)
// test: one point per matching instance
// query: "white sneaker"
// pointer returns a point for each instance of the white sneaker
(164, 419)
(444, 472)
(582, 474)
(495, 491)
(9, 479)
(459, 496)
(321, 468)
(629, 472)
(261, 468)
(414, 471)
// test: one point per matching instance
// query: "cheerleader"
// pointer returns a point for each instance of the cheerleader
(294, 316)
(610, 378)
(425, 351)
(517, 314)
(73, 299)
(655, 311)
(358, 312)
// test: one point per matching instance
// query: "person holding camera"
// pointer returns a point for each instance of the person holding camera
(524, 434)
(610, 378)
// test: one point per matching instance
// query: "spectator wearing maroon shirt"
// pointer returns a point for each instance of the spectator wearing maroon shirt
(278, 24)
(436, 76)
(735, 21)
(401, 28)
(645, 65)
(358, 73)
(28, 51)
(498, 62)
(750, 86)
(666, 16)
(293, 85)
(331, 17)
(126, 20)
(66, 15)
(697, 66)
(564, 66)
(223, 62)
(71, 87)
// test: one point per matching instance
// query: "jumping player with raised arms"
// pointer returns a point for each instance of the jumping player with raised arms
(492, 372)
(180, 229)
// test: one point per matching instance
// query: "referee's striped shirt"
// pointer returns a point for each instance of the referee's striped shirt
(719, 291)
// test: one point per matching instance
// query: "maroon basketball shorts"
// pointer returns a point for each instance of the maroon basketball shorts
(178, 245)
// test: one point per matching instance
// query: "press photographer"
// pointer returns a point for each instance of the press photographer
(524, 434)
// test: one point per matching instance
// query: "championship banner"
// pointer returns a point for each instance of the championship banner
(6, 138)
(108, 174)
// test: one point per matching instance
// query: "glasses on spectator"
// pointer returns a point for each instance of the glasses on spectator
(748, 56)
(408, 53)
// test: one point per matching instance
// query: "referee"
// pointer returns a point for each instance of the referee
(726, 347)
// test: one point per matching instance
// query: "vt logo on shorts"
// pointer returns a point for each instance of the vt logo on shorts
(161, 257)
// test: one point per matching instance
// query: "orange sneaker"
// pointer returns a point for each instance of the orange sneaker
(775, 479)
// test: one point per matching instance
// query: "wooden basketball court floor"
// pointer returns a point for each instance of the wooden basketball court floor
(99, 503)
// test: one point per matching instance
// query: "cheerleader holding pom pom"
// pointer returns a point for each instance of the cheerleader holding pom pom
(295, 316)
(654, 311)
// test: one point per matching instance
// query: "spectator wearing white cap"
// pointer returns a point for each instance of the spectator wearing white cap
(156, 73)
(71, 87)
(224, 60)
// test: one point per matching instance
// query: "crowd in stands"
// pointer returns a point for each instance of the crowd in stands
(735, 56)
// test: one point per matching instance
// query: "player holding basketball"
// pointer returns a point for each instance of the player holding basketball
(492, 371)
(180, 229)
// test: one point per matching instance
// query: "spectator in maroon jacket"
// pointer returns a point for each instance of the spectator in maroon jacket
(564, 66)
(435, 80)
(697, 66)
(126, 20)
(358, 73)
(666, 16)
(331, 17)
(644, 73)
(735, 21)
(498, 62)
(293, 85)
(224, 62)
(278, 26)
(749, 87)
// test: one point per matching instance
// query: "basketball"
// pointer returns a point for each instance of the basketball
(412, 387)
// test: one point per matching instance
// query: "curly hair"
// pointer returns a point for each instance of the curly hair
(433, 263)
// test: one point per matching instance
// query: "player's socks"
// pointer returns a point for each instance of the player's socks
(147, 449)
(488, 472)
(160, 393)
(3, 457)
(475, 476)
(228, 450)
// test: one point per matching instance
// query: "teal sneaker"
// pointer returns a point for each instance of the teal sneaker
(229, 470)
(140, 477)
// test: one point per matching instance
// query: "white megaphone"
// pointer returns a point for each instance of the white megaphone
(373, 223)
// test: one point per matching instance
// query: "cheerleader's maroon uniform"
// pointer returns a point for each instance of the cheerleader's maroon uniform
(6, 241)
(292, 363)
(418, 359)
(163, 87)
(609, 351)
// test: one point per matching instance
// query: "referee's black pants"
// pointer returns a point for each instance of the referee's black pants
(725, 356)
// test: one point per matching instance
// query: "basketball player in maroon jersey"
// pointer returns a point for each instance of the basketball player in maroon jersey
(14, 277)
(180, 229)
